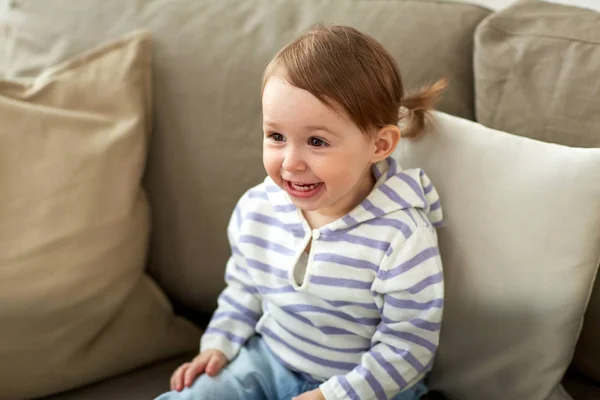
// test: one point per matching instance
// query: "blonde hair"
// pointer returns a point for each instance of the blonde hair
(339, 65)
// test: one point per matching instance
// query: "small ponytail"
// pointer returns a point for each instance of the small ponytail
(416, 108)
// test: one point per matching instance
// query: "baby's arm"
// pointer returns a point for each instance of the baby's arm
(232, 323)
(409, 285)
(239, 305)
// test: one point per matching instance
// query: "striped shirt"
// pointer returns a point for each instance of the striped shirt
(365, 319)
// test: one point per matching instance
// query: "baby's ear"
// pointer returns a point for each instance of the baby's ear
(386, 140)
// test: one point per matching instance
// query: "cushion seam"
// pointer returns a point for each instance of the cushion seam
(545, 35)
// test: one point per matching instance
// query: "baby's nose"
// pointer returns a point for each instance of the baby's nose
(293, 161)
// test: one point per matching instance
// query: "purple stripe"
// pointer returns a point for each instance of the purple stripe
(342, 303)
(329, 232)
(234, 315)
(315, 343)
(430, 280)
(241, 269)
(265, 219)
(363, 241)
(414, 186)
(418, 322)
(376, 173)
(394, 223)
(429, 365)
(317, 360)
(389, 368)
(347, 387)
(420, 258)
(243, 286)
(285, 208)
(230, 336)
(392, 167)
(392, 195)
(340, 282)
(244, 310)
(235, 250)
(410, 337)
(348, 220)
(408, 357)
(255, 194)
(376, 211)
(427, 189)
(374, 383)
(329, 330)
(277, 290)
(426, 325)
(347, 261)
(438, 224)
(435, 205)
(272, 188)
(265, 244)
(306, 376)
(267, 268)
(298, 308)
(412, 304)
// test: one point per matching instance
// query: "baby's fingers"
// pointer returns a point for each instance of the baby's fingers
(215, 364)
(177, 377)
(196, 368)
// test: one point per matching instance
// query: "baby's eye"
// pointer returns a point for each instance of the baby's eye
(278, 137)
(317, 142)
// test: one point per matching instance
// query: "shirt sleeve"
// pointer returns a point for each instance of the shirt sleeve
(239, 305)
(409, 287)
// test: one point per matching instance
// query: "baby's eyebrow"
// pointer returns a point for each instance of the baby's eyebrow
(270, 123)
(320, 128)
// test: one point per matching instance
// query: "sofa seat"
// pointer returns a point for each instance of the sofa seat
(148, 382)
(142, 384)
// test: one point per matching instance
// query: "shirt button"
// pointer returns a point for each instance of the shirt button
(316, 234)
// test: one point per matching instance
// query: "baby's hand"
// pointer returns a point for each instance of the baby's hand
(312, 395)
(210, 361)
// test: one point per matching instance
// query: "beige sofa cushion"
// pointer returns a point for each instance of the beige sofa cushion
(519, 257)
(536, 73)
(537, 69)
(209, 59)
(76, 305)
(142, 384)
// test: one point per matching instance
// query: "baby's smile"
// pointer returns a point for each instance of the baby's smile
(303, 190)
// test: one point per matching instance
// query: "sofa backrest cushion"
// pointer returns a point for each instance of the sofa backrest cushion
(519, 256)
(209, 58)
(537, 74)
(75, 303)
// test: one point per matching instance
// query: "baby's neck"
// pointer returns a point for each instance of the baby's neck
(316, 220)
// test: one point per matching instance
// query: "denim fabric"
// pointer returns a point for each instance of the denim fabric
(255, 374)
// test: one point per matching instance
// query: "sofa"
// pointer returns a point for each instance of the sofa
(128, 131)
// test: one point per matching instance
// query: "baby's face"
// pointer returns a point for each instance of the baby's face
(317, 155)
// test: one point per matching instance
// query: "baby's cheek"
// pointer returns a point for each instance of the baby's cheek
(345, 175)
(270, 163)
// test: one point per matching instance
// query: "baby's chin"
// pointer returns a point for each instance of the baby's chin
(304, 205)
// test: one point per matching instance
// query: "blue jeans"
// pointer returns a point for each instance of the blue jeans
(255, 374)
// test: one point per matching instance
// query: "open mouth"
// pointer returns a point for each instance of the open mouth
(302, 187)
(303, 190)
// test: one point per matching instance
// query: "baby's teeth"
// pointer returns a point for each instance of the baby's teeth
(302, 188)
